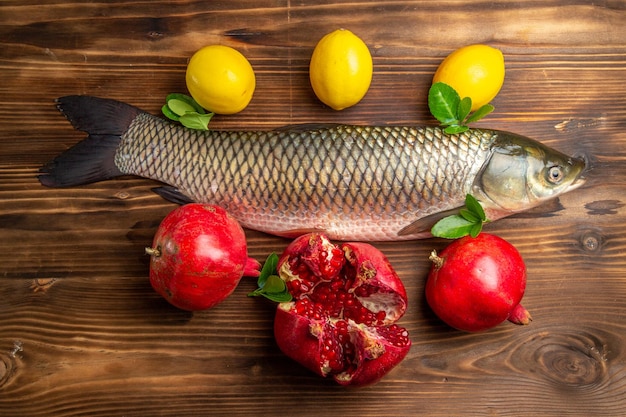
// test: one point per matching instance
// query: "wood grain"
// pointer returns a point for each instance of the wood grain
(82, 331)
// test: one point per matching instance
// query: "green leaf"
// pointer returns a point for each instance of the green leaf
(169, 113)
(180, 107)
(443, 102)
(274, 284)
(469, 221)
(187, 100)
(282, 297)
(475, 207)
(452, 227)
(451, 111)
(480, 113)
(279, 297)
(469, 216)
(475, 230)
(454, 129)
(184, 109)
(269, 268)
(465, 106)
(196, 121)
(271, 286)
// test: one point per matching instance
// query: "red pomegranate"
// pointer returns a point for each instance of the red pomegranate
(198, 256)
(477, 283)
(347, 299)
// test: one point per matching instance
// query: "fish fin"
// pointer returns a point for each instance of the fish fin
(92, 159)
(88, 161)
(305, 127)
(172, 194)
(97, 116)
(426, 223)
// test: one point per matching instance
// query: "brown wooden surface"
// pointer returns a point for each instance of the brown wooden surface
(83, 333)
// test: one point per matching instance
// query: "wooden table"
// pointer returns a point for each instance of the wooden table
(83, 333)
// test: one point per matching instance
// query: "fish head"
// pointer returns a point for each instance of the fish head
(521, 173)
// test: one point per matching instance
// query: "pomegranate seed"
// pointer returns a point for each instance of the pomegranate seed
(337, 284)
(380, 316)
(364, 291)
(294, 289)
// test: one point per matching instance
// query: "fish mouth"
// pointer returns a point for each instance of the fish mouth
(583, 167)
(578, 181)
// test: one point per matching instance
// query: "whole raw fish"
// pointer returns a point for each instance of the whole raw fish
(351, 182)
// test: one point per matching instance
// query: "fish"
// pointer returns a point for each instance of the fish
(363, 183)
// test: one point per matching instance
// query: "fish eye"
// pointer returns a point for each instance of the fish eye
(555, 174)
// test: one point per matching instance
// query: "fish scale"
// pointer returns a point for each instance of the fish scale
(351, 182)
(303, 180)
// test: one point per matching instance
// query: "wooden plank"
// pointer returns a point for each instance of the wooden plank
(83, 333)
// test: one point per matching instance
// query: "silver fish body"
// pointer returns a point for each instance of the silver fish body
(351, 182)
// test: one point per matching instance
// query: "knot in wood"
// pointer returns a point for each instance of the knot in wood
(573, 360)
(7, 367)
(591, 241)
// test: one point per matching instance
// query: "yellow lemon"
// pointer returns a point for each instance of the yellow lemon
(341, 69)
(475, 71)
(220, 79)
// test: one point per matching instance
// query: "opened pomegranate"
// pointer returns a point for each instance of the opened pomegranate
(477, 283)
(347, 299)
(198, 257)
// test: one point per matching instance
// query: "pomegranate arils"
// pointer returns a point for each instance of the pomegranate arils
(360, 314)
(306, 307)
(365, 290)
(336, 301)
(305, 280)
(395, 334)
(337, 347)
(331, 262)
(346, 300)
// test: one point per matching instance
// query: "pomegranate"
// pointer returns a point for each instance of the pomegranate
(346, 300)
(198, 257)
(477, 283)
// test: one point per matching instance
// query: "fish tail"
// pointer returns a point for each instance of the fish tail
(92, 159)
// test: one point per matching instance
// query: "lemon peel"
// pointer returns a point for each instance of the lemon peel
(341, 69)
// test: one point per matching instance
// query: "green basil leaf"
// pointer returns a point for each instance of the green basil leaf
(282, 297)
(475, 230)
(465, 106)
(180, 107)
(271, 286)
(480, 113)
(196, 121)
(475, 207)
(186, 99)
(169, 113)
(452, 227)
(455, 128)
(469, 216)
(274, 284)
(197, 107)
(469, 221)
(269, 268)
(443, 102)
